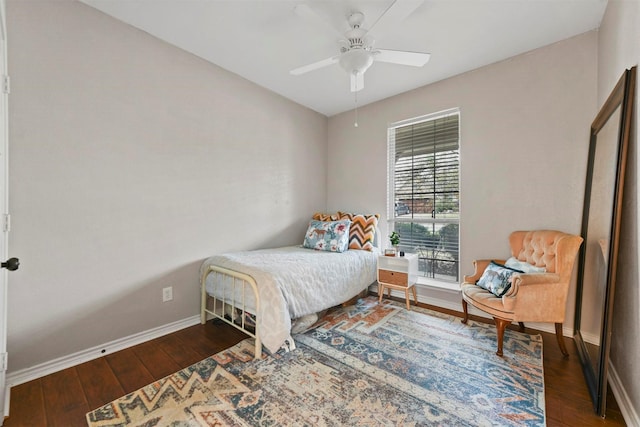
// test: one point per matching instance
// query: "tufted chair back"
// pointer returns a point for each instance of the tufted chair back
(545, 248)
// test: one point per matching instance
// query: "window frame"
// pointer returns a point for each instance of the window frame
(392, 220)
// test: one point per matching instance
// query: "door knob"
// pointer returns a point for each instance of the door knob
(11, 264)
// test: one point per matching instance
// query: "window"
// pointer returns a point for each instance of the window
(424, 191)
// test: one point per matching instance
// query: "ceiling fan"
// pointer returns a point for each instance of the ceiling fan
(357, 52)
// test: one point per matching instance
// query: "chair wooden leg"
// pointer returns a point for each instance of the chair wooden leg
(501, 325)
(465, 311)
(521, 326)
(560, 338)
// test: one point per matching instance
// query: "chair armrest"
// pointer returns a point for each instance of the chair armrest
(480, 265)
(530, 279)
(539, 297)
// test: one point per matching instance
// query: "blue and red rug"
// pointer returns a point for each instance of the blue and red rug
(366, 365)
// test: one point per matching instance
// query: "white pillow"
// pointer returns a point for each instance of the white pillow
(514, 262)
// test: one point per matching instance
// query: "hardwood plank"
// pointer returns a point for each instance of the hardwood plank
(64, 399)
(27, 405)
(212, 337)
(568, 402)
(155, 360)
(99, 383)
(179, 350)
(222, 341)
(130, 371)
(198, 341)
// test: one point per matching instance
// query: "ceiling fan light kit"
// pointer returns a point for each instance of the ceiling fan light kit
(356, 49)
(356, 62)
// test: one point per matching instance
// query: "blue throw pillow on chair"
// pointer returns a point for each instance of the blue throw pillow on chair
(497, 278)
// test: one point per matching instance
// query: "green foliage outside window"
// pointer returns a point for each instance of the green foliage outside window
(416, 236)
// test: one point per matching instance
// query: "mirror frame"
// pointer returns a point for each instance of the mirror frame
(596, 373)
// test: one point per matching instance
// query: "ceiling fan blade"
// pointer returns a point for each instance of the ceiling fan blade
(394, 15)
(357, 82)
(304, 11)
(402, 57)
(316, 65)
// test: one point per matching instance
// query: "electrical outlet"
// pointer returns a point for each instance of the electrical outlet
(167, 293)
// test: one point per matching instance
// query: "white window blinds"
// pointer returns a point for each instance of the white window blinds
(424, 190)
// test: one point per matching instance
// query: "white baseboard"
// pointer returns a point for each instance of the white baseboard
(629, 413)
(43, 369)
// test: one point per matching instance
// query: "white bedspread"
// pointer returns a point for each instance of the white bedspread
(294, 282)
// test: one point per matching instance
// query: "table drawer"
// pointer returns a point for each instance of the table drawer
(393, 277)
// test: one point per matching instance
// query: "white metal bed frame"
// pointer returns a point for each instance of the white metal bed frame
(227, 300)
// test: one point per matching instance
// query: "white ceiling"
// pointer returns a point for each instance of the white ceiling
(261, 40)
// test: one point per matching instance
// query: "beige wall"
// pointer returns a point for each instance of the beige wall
(524, 141)
(130, 162)
(618, 49)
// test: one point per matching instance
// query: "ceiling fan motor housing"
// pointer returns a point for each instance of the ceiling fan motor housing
(356, 58)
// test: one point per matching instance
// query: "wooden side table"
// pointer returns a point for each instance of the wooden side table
(400, 273)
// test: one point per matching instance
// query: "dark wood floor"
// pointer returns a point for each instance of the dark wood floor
(63, 399)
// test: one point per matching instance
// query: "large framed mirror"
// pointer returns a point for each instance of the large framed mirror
(601, 215)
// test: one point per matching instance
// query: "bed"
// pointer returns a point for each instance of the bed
(266, 292)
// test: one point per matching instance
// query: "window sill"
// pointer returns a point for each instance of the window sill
(437, 284)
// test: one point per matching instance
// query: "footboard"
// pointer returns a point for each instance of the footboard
(231, 289)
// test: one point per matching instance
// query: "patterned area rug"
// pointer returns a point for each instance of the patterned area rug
(366, 365)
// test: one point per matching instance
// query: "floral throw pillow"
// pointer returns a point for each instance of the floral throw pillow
(497, 278)
(332, 236)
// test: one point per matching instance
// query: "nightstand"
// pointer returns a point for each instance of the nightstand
(399, 273)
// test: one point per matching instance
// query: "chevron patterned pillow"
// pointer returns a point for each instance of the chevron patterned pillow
(362, 231)
(319, 216)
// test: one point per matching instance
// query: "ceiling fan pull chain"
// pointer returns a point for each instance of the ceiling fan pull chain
(355, 124)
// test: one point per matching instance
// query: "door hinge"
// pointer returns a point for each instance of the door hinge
(6, 85)
(4, 358)
(6, 223)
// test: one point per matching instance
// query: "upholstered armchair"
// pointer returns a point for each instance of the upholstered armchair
(537, 295)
